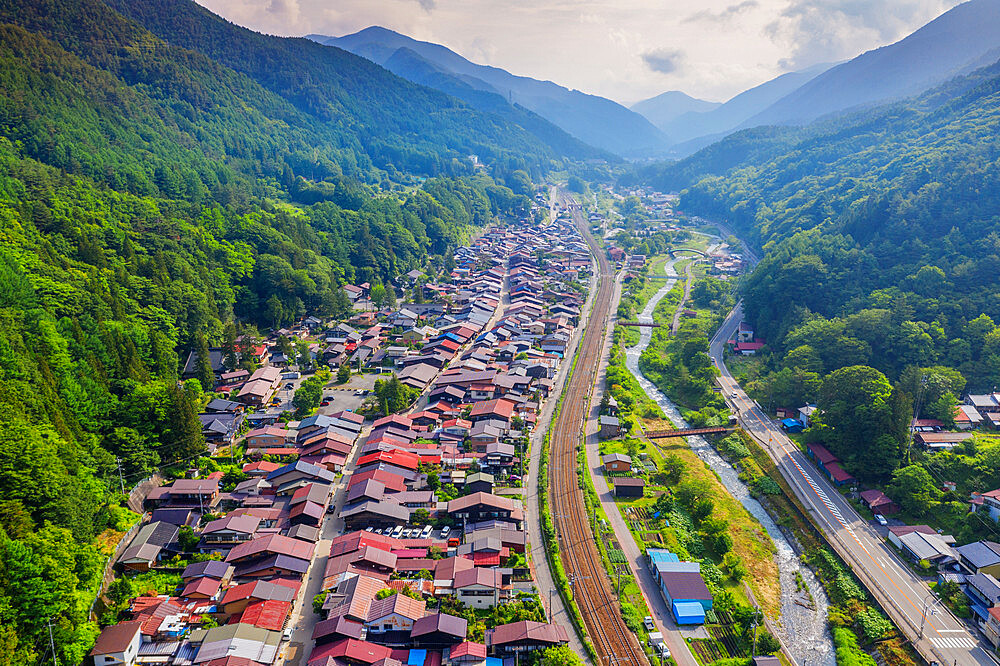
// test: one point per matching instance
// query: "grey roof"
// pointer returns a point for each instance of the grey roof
(987, 585)
(927, 546)
(209, 568)
(239, 640)
(442, 622)
(307, 468)
(150, 540)
(980, 553)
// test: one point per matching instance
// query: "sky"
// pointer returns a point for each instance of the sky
(626, 50)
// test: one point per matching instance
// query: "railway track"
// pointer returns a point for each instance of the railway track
(613, 641)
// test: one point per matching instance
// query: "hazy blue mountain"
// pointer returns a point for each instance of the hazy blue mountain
(666, 107)
(693, 131)
(594, 120)
(957, 42)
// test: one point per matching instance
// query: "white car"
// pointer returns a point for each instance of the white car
(396, 532)
(287, 635)
(880, 519)
(426, 532)
(445, 531)
(648, 623)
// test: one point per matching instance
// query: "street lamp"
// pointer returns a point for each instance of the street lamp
(923, 619)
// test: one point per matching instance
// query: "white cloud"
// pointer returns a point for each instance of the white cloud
(627, 49)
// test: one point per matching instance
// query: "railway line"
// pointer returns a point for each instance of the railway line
(613, 641)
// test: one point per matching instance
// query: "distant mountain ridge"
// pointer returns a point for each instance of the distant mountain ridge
(593, 120)
(957, 42)
(666, 107)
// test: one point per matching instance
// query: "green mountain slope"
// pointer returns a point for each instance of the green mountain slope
(880, 231)
(154, 200)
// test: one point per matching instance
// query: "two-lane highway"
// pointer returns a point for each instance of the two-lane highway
(937, 634)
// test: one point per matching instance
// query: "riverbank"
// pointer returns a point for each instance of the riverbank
(755, 535)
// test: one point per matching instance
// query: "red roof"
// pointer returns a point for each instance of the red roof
(469, 649)
(261, 466)
(398, 458)
(264, 614)
(348, 543)
(822, 454)
(498, 407)
(352, 650)
(837, 473)
(272, 543)
(201, 587)
(749, 346)
(484, 559)
(392, 482)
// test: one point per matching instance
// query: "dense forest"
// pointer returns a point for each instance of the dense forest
(880, 243)
(154, 200)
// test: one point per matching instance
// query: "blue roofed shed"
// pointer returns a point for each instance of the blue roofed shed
(792, 425)
(688, 612)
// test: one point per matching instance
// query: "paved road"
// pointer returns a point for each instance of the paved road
(935, 632)
(633, 553)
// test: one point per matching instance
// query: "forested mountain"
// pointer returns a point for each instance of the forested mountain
(594, 120)
(880, 231)
(960, 40)
(154, 199)
(666, 107)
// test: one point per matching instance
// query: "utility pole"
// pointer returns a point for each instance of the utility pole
(52, 643)
(120, 477)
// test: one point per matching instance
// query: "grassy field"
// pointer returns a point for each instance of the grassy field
(750, 542)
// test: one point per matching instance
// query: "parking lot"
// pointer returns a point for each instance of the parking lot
(426, 532)
(345, 396)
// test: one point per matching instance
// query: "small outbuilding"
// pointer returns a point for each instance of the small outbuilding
(629, 486)
(616, 462)
(610, 427)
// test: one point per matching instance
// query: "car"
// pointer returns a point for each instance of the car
(880, 519)
(290, 385)
(369, 528)
(648, 623)
(359, 392)
(396, 532)
(664, 651)
(426, 532)
(445, 531)
(733, 395)
(325, 403)
(287, 634)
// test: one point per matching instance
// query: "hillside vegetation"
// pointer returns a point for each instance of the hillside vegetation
(154, 200)
(881, 246)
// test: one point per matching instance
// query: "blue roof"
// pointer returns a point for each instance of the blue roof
(416, 658)
(688, 612)
(661, 555)
(493, 661)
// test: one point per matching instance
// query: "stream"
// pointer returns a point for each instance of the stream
(803, 630)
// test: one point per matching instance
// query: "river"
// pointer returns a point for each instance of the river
(803, 631)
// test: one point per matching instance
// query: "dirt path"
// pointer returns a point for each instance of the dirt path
(688, 282)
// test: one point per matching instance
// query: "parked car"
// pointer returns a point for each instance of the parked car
(648, 623)
(444, 531)
(396, 532)
(426, 532)
(880, 519)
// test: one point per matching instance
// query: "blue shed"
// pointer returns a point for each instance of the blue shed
(792, 425)
(688, 612)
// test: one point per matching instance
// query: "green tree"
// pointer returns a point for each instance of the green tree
(203, 364)
(863, 420)
(913, 489)
(343, 373)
